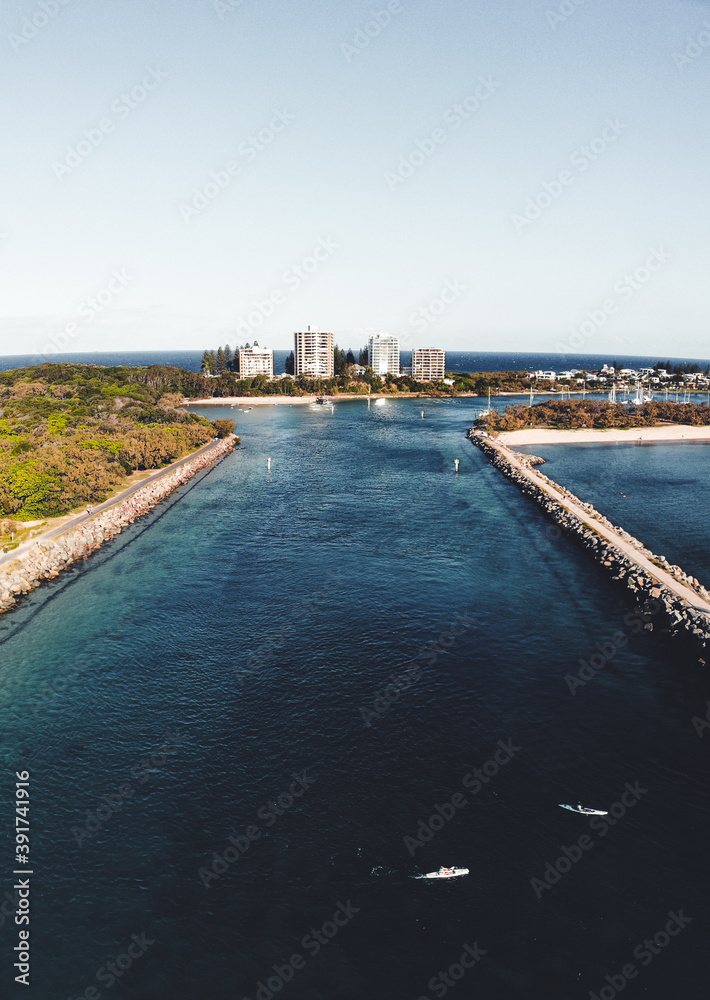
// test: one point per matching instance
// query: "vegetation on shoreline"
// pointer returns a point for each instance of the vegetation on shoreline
(351, 381)
(69, 433)
(579, 413)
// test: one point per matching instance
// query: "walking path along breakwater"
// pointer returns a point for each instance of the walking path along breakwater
(683, 602)
(46, 560)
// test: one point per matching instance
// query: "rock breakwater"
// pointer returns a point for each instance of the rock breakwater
(46, 560)
(675, 615)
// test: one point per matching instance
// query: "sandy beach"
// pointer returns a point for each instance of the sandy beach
(281, 400)
(614, 435)
(249, 400)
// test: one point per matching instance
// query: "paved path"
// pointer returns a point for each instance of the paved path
(660, 575)
(45, 536)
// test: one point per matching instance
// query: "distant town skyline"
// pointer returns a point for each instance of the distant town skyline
(530, 177)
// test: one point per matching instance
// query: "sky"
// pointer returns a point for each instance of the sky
(517, 176)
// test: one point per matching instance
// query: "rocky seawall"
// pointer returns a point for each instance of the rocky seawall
(674, 615)
(46, 560)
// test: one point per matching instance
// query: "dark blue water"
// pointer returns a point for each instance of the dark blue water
(456, 361)
(240, 630)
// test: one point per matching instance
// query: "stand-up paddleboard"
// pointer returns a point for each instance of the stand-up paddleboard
(584, 811)
(446, 873)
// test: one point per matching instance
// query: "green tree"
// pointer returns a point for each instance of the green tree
(228, 358)
(338, 360)
(37, 494)
(220, 361)
(224, 427)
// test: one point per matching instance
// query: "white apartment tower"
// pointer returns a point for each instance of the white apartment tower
(313, 353)
(383, 354)
(255, 361)
(428, 364)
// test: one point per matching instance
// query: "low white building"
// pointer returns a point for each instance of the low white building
(255, 361)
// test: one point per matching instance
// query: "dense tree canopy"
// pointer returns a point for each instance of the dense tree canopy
(595, 413)
(69, 434)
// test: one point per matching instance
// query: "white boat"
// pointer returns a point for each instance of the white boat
(583, 810)
(641, 397)
(380, 401)
(446, 873)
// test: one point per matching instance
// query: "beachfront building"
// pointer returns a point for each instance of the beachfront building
(428, 364)
(383, 354)
(255, 361)
(313, 353)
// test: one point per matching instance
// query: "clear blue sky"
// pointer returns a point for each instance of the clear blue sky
(328, 172)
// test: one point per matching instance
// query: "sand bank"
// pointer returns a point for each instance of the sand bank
(289, 400)
(614, 435)
(249, 400)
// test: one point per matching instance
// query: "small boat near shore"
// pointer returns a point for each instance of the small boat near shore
(322, 400)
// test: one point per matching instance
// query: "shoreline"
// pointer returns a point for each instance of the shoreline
(296, 400)
(247, 400)
(612, 435)
(47, 556)
(651, 579)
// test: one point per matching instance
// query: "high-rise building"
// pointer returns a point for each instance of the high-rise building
(255, 361)
(428, 364)
(383, 354)
(313, 353)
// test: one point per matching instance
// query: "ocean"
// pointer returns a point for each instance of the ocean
(255, 718)
(456, 361)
